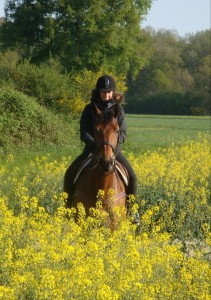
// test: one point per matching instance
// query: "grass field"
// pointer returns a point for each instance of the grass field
(149, 132)
(144, 133)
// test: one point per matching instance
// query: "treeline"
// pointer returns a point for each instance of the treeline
(176, 78)
(54, 51)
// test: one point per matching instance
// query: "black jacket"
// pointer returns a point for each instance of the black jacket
(87, 122)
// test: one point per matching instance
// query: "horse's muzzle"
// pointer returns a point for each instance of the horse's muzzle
(107, 165)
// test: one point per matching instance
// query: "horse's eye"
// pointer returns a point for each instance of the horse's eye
(117, 131)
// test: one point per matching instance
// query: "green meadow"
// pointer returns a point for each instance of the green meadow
(144, 133)
(150, 132)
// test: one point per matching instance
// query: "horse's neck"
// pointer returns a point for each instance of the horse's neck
(91, 181)
(95, 180)
(111, 181)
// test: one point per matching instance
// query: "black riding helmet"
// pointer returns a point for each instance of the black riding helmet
(106, 82)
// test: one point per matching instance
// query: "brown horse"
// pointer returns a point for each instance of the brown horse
(101, 172)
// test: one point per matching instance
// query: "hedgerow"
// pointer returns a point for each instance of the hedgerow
(25, 123)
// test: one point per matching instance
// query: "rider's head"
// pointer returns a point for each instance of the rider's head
(106, 83)
(105, 87)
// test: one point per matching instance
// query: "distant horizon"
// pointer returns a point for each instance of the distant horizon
(183, 17)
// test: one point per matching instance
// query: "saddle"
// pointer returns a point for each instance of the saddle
(121, 170)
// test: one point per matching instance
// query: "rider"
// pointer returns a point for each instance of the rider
(104, 97)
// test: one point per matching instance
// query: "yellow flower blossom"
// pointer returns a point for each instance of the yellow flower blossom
(45, 254)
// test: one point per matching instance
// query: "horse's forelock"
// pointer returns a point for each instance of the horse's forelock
(106, 116)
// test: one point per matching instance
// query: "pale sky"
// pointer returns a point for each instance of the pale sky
(184, 16)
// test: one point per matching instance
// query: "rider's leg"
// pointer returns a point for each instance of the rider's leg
(70, 175)
(132, 184)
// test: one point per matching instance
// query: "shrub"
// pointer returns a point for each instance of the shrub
(23, 122)
(84, 82)
(46, 83)
(51, 85)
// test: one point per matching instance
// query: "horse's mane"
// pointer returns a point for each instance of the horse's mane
(106, 116)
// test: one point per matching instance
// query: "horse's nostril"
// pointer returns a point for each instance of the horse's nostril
(106, 165)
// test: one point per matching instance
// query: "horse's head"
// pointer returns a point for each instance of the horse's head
(106, 134)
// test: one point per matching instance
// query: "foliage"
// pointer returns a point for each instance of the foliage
(50, 84)
(195, 53)
(45, 255)
(23, 122)
(89, 34)
(84, 82)
(47, 83)
(168, 84)
(173, 78)
(176, 79)
(172, 103)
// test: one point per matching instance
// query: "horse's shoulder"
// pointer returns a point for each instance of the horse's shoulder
(82, 166)
(121, 170)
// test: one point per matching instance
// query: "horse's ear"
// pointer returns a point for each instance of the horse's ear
(98, 112)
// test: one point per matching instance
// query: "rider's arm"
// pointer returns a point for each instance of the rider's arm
(122, 126)
(86, 126)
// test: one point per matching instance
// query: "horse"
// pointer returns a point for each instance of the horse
(101, 171)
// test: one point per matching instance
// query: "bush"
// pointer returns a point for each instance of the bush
(50, 84)
(23, 122)
(46, 83)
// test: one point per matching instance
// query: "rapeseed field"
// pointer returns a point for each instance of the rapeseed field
(45, 254)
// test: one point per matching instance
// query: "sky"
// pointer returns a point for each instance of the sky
(184, 16)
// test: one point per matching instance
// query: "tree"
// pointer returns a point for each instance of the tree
(176, 78)
(196, 58)
(83, 33)
(27, 26)
(163, 72)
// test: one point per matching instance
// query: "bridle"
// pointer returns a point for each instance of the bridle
(104, 143)
(107, 165)
(101, 162)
